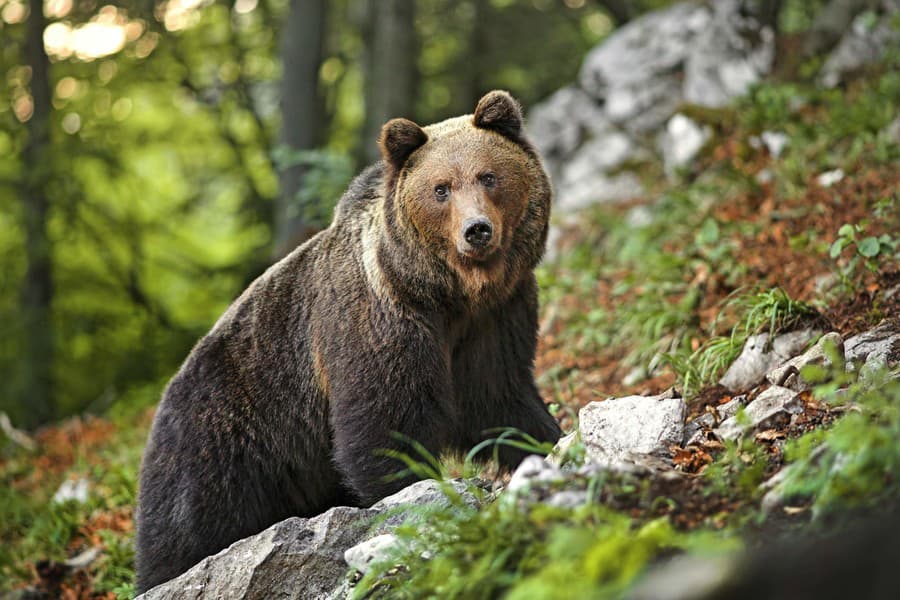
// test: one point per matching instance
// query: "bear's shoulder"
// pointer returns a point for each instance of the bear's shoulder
(365, 190)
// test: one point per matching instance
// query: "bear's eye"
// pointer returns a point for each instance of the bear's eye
(488, 180)
(442, 192)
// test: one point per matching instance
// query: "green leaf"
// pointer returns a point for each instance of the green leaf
(869, 247)
(846, 231)
(837, 247)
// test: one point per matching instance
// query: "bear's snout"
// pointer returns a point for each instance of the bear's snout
(477, 232)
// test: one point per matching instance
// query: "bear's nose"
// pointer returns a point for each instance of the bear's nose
(478, 232)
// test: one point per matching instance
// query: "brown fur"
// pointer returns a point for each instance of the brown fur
(385, 322)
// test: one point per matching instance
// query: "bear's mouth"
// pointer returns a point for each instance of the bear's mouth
(479, 257)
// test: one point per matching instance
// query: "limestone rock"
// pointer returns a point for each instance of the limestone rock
(877, 347)
(533, 469)
(776, 402)
(371, 551)
(730, 54)
(788, 374)
(617, 428)
(300, 557)
(296, 558)
(635, 71)
(681, 141)
(757, 359)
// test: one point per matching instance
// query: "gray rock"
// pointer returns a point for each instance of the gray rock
(874, 348)
(772, 404)
(371, 551)
(616, 429)
(586, 178)
(533, 470)
(300, 558)
(594, 187)
(680, 142)
(723, 412)
(568, 499)
(428, 491)
(296, 558)
(757, 359)
(788, 374)
(562, 122)
(730, 54)
(635, 71)
(892, 132)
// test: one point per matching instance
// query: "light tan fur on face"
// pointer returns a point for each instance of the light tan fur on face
(457, 154)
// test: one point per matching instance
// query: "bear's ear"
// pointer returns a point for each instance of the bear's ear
(498, 111)
(399, 138)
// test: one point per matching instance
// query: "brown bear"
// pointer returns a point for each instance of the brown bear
(414, 313)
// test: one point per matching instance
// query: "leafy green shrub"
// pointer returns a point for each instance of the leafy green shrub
(536, 552)
(755, 311)
(870, 252)
(856, 463)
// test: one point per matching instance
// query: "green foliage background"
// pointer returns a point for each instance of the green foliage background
(162, 173)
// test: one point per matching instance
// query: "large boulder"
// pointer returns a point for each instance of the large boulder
(618, 429)
(302, 558)
(592, 134)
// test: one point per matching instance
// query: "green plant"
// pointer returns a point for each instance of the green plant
(770, 311)
(866, 251)
(507, 550)
(326, 174)
(856, 463)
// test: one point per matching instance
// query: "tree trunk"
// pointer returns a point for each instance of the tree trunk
(37, 290)
(389, 68)
(473, 86)
(301, 112)
(767, 11)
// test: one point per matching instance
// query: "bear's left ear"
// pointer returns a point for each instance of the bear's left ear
(399, 138)
(498, 111)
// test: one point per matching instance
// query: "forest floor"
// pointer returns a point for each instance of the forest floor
(630, 306)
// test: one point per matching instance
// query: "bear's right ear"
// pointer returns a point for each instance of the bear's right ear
(399, 138)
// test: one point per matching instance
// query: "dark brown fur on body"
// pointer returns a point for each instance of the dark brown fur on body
(388, 321)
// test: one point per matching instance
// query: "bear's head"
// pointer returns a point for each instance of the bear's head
(471, 195)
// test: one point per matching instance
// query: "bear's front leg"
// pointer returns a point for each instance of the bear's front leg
(391, 385)
(493, 367)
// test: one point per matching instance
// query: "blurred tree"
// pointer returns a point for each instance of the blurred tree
(36, 377)
(302, 113)
(389, 67)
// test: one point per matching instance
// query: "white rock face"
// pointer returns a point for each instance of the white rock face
(630, 86)
(729, 56)
(636, 69)
(615, 429)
